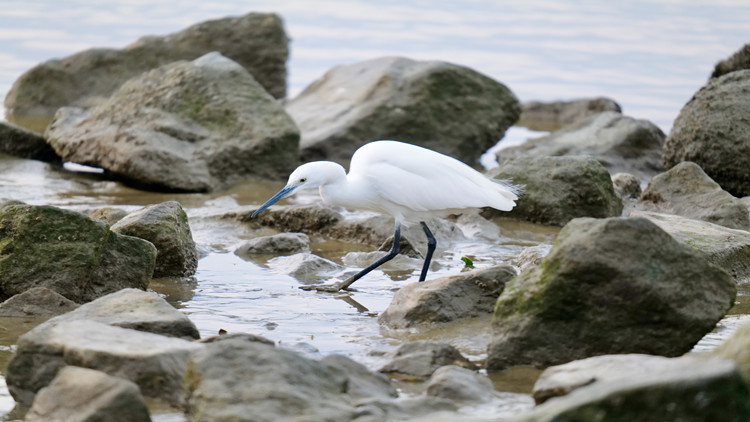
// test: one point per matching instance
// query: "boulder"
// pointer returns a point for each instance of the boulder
(282, 243)
(626, 185)
(186, 126)
(441, 106)
(738, 61)
(69, 253)
(708, 391)
(156, 363)
(726, 248)
(579, 302)
(137, 310)
(420, 359)
(22, 143)
(257, 41)
(447, 299)
(231, 380)
(39, 302)
(620, 143)
(559, 189)
(687, 191)
(166, 226)
(85, 395)
(362, 384)
(551, 116)
(460, 385)
(712, 130)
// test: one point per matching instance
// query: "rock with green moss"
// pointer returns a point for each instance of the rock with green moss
(257, 41)
(69, 253)
(449, 108)
(186, 126)
(166, 226)
(559, 189)
(688, 191)
(615, 285)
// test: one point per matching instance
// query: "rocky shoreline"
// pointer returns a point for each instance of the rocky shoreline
(654, 241)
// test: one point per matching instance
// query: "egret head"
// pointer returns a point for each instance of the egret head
(306, 176)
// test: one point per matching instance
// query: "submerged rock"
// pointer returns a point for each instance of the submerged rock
(166, 226)
(551, 116)
(447, 299)
(69, 253)
(305, 267)
(712, 130)
(79, 394)
(21, 143)
(686, 190)
(39, 302)
(282, 243)
(186, 126)
(445, 107)
(419, 359)
(257, 41)
(580, 301)
(559, 189)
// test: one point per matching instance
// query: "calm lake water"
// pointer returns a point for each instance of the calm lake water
(650, 56)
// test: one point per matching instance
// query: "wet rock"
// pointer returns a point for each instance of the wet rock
(738, 61)
(156, 363)
(626, 185)
(363, 384)
(559, 189)
(38, 302)
(448, 108)
(257, 41)
(166, 226)
(531, 257)
(305, 266)
(551, 116)
(405, 247)
(108, 215)
(620, 143)
(277, 384)
(69, 253)
(687, 191)
(419, 359)
(460, 385)
(726, 248)
(137, 310)
(282, 243)
(22, 143)
(708, 391)
(447, 299)
(712, 130)
(79, 394)
(579, 302)
(186, 126)
(406, 409)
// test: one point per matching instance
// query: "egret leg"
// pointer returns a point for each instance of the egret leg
(348, 282)
(431, 244)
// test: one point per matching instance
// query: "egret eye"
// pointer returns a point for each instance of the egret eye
(303, 180)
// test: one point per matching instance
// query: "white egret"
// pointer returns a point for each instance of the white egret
(408, 182)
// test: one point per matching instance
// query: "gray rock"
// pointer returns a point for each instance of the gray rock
(726, 248)
(137, 310)
(407, 409)
(531, 257)
(22, 143)
(460, 385)
(551, 116)
(579, 303)
(186, 126)
(712, 130)
(738, 61)
(626, 185)
(305, 266)
(109, 215)
(559, 189)
(362, 384)
(282, 243)
(242, 336)
(447, 299)
(687, 191)
(38, 302)
(737, 349)
(620, 143)
(166, 226)
(85, 395)
(234, 380)
(438, 105)
(69, 253)
(156, 363)
(257, 41)
(419, 359)
(711, 390)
